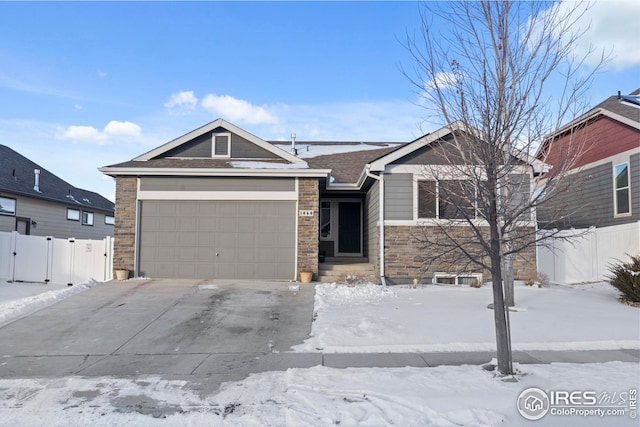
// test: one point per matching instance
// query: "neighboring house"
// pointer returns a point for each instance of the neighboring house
(220, 202)
(35, 201)
(605, 190)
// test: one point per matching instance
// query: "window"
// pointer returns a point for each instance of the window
(7, 206)
(109, 220)
(221, 145)
(622, 194)
(73, 214)
(453, 199)
(87, 218)
(464, 279)
(325, 219)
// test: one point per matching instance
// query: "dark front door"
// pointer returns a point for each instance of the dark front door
(349, 225)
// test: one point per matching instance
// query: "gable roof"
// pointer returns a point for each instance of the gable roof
(624, 109)
(348, 167)
(17, 178)
(208, 128)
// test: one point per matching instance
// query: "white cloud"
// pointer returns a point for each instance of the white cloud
(239, 110)
(83, 134)
(89, 134)
(117, 128)
(185, 100)
(102, 73)
(610, 26)
(443, 80)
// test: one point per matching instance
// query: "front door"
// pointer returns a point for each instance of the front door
(23, 225)
(349, 228)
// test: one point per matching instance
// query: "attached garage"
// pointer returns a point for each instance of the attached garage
(217, 239)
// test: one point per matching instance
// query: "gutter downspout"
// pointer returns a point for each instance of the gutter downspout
(380, 179)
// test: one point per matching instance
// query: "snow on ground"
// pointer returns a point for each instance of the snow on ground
(318, 396)
(307, 151)
(19, 298)
(370, 318)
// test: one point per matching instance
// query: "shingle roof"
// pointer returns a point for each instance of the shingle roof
(173, 162)
(347, 167)
(616, 105)
(17, 177)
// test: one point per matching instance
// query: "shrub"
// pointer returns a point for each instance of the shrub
(626, 278)
(538, 279)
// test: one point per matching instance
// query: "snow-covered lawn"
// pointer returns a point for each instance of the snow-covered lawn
(370, 318)
(319, 396)
(364, 318)
(19, 299)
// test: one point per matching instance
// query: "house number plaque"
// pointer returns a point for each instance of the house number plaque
(305, 213)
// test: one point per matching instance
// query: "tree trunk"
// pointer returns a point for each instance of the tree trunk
(507, 277)
(503, 345)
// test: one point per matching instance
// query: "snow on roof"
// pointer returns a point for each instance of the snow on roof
(311, 150)
(248, 164)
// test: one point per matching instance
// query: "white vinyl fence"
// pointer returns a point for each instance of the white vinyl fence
(51, 260)
(587, 258)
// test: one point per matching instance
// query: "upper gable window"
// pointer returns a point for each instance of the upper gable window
(221, 145)
(622, 195)
(7, 206)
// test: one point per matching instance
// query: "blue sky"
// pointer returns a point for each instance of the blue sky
(84, 85)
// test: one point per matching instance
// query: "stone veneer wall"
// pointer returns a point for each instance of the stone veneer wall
(404, 260)
(308, 226)
(125, 223)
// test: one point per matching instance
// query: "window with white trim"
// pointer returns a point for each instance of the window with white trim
(621, 193)
(462, 279)
(109, 220)
(446, 199)
(221, 145)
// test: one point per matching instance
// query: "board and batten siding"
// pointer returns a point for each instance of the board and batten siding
(592, 203)
(371, 229)
(51, 220)
(216, 184)
(201, 146)
(398, 196)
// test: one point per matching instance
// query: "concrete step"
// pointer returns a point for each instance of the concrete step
(345, 267)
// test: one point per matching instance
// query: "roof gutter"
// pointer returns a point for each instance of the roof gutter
(380, 179)
(120, 171)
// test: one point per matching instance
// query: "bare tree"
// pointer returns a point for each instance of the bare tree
(501, 75)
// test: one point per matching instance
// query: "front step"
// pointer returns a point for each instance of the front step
(342, 272)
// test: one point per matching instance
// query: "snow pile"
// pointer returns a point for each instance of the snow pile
(318, 396)
(444, 318)
(13, 308)
(307, 151)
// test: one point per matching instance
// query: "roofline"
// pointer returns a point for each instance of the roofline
(379, 164)
(307, 173)
(584, 118)
(211, 126)
(61, 202)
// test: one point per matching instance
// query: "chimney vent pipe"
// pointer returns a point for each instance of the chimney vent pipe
(36, 185)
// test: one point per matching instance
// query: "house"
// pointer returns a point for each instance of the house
(605, 194)
(35, 201)
(220, 202)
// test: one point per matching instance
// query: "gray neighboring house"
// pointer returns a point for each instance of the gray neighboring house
(219, 202)
(33, 201)
(608, 171)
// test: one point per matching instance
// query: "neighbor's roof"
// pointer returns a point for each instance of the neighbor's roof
(17, 178)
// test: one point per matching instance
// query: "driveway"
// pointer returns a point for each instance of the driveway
(161, 327)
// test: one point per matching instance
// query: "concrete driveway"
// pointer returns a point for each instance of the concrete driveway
(162, 327)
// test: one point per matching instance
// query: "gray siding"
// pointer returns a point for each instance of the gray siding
(371, 230)
(590, 201)
(398, 196)
(243, 149)
(51, 220)
(202, 146)
(216, 184)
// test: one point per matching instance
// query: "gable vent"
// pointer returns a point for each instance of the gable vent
(221, 145)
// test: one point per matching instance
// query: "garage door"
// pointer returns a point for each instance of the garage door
(217, 239)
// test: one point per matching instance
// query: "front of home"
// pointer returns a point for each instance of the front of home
(222, 203)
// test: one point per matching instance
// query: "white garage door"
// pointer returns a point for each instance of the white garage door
(217, 239)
